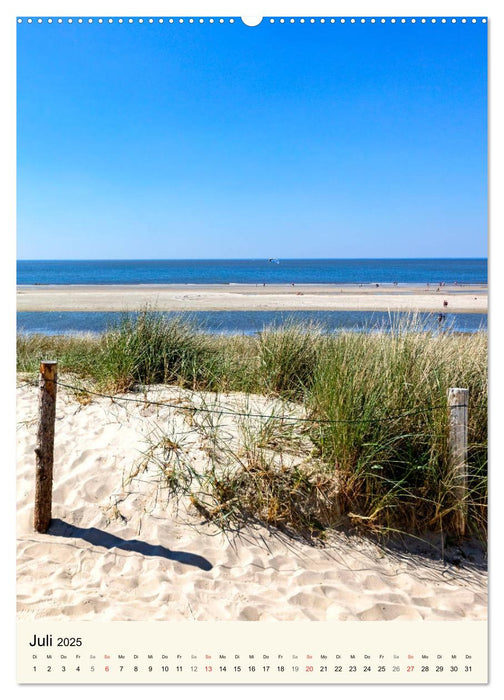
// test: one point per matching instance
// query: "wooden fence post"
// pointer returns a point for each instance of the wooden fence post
(458, 400)
(44, 450)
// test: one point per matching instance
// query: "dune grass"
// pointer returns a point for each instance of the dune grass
(150, 349)
(76, 354)
(380, 399)
(391, 448)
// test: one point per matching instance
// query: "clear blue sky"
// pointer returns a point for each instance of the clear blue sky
(224, 141)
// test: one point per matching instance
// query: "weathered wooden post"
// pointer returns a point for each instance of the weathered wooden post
(458, 400)
(44, 450)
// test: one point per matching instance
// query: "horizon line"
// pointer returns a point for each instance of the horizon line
(465, 257)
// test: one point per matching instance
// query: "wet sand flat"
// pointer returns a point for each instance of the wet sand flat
(101, 298)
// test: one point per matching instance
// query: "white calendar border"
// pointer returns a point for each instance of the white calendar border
(314, 8)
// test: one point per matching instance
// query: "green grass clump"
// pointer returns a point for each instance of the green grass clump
(287, 358)
(75, 354)
(146, 348)
(387, 394)
(151, 348)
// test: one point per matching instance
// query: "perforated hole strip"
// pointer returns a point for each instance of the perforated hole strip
(287, 21)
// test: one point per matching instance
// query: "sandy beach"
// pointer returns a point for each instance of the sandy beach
(460, 299)
(117, 551)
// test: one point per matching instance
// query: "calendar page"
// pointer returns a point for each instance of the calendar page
(252, 365)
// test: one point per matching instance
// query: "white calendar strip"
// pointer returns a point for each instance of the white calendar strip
(249, 652)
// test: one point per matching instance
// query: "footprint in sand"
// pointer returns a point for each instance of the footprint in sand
(249, 613)
(341, 595)
(373, 583)
(307, 578)
(308, 601)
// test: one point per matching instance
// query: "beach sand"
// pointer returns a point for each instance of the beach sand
(461, 299)
(116, 551)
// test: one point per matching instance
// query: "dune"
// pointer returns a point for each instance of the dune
(119, 549)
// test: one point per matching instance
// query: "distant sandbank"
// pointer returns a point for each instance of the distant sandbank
(250, 297)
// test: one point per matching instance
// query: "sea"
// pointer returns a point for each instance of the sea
(384, 272)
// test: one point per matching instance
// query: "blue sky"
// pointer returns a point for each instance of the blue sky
(194, 141)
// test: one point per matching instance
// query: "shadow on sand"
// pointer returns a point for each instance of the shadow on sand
(100, 538)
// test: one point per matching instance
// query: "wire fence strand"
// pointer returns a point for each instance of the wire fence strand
(221, 412)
